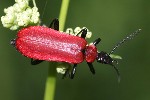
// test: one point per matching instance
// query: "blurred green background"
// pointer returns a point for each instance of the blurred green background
(111, 20)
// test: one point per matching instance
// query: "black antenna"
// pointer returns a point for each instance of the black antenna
(131, 36)
(118, 73)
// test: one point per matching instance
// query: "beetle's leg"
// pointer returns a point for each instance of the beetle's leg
(55, 22)
(35, 62)
(96, 41)
(91, 67)
(83, 33)
(73, 71)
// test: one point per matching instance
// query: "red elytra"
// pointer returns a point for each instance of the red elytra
(43, 43)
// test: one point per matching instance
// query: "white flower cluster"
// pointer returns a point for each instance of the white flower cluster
(77, 30)
(20, 15)
(63, 67)
(61, 70)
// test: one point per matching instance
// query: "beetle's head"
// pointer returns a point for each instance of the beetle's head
(105, 58)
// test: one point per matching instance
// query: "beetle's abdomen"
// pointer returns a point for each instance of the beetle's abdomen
(43, 43)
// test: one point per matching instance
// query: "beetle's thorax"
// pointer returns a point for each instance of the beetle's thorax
(90, 53)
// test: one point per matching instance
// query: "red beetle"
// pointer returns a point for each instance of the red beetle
(42, 43)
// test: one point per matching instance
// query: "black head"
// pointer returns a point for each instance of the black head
(104, 58)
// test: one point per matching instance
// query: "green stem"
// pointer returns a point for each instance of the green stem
(51, 79)
(34, 4)
(50, 82)
(63, 14)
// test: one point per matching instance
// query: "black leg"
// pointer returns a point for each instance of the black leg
(96, 41)
(118, 73)
(91, 67)
(83, 33)
(73, 71)
(35, 62)
(55, 22)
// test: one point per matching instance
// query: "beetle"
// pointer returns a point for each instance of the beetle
(42, 43)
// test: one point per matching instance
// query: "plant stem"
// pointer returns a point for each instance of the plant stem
(51, 79)
(50, 82)
(63, 14)
(34, 4)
